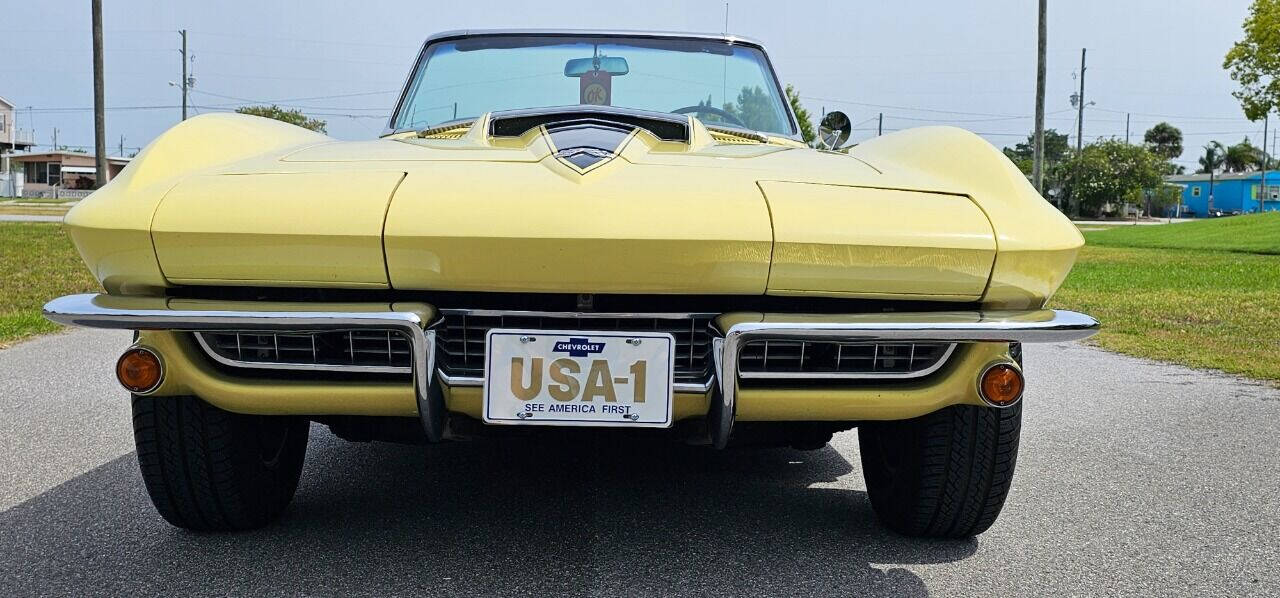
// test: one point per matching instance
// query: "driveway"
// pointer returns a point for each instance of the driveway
(1135, 478)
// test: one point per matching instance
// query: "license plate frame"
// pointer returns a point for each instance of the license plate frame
(617, 349)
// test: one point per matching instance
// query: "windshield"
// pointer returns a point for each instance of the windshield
(715, 81)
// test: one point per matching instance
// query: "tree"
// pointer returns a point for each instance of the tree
(802, 115)
(1110, 171)
(1164, 140)
(1161, 197)
(1254, 62)
(755, 109)
(1210, 162)
(1056, 149)
(1212, 159)
(293, 117)
(1242, 157)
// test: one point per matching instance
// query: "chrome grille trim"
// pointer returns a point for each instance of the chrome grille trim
(754, 360)
(397, 353)
(460, 335)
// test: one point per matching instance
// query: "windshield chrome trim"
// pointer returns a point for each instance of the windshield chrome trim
(737, 40)
(658, 34)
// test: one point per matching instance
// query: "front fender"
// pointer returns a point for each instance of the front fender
(1035, 244)
(112, 227)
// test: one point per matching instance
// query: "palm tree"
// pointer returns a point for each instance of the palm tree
(1241, 157)
(1210, 162)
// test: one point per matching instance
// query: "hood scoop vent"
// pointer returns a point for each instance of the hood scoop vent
(514, 123)
(452, 130)
(587, 143)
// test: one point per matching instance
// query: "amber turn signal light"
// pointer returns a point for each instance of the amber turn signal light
(139, 370)
(1000, 385)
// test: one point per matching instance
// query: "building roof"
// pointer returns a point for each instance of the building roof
(1256, 175)
(6, 102)
(48, 156)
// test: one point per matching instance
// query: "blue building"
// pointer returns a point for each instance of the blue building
(1240, 193)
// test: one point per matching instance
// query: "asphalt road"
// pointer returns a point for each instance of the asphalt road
(1135, 478)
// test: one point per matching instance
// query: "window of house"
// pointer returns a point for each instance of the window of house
(1195, 192)
(2, 116)
(37, 172)
(55, 173)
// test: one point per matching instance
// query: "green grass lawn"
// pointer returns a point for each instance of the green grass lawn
(37, 263)
(1187, 293)
(33, 210)
(1252, 233)
(48, 200)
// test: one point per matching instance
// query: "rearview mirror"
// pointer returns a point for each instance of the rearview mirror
(614, 65)
(834, 130)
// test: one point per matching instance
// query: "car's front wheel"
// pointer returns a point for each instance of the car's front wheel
(207, 469)
(945, 474)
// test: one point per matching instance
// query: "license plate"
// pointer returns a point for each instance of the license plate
(578, 378)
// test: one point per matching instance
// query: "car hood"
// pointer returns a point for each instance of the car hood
(595, 208)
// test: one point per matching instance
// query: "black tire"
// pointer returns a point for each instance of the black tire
(943, 475)
(207, 469)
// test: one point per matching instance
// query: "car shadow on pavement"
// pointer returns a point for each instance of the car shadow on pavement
(587, 514)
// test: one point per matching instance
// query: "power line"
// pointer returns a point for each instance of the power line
(315, 58)
(109, 108)
(307, 112)
(972, 120)
(284, 103)
(283, 100)
(200, 106)
(307, 41)
(937, 111)
(1170, 116)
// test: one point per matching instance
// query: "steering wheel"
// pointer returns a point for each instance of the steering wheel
(723, 114)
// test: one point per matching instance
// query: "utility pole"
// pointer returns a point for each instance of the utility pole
(1037, 163)
(183, 33)
(99, 101)
(1273, 145)
(55, 139)
(880, 127)
(1075, 197)
(1266, 161)
(122, 146)
(1126, 128)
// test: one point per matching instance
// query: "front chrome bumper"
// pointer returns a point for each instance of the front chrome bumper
(155, 313)
(412, 319)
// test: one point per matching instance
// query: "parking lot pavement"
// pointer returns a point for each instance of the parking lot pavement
(1134, 478)
(61, 412)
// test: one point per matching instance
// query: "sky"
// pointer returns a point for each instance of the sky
(967, 64)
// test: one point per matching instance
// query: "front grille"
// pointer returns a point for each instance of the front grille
(831, 359)
(460, 337)
(385, 351)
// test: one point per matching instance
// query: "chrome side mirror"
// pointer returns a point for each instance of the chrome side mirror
(834, 130)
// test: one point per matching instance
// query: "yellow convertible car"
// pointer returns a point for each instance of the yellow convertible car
(618, 230)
